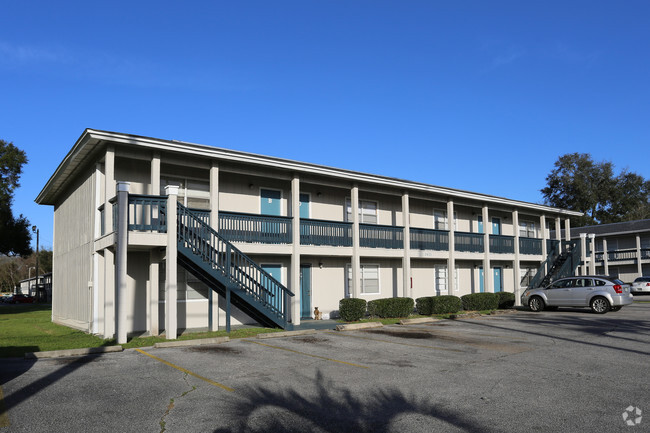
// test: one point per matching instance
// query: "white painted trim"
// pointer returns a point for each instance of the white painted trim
(85, 143)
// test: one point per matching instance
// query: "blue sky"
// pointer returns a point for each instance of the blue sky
(475, 95)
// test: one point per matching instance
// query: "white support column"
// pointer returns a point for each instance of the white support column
(154, 186)
(154, 290)
(517, 266)
(294, 282)
(356, 259)
(121, 260)
(406, 259)
(171, 266)
(109, 293)
(567, 229)
(592, 254)
(558, 229)
(451, 259)
(605, 257)
(487, 272)
(583, 253)
(109, 188)
(639, 265)
(213, 298)
(542, 223)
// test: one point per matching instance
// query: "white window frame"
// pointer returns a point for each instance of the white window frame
(361, 279)
(528, 227)
(348, 211)
(183, 189)
(440, 219)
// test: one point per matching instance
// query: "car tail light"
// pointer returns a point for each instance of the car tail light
(647, 284)
(618, 288)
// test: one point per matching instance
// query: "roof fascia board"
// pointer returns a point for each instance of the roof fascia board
(351, 176)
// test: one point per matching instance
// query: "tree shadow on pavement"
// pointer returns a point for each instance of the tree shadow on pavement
(331, 409)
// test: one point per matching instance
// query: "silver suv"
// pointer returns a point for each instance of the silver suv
(599, 292)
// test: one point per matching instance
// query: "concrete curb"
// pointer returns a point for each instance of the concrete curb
(287, 333)
(185, 343)
(418, 320)
(354, 326)
(73, 352)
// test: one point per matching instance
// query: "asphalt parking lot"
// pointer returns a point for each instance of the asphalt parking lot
(566, 370)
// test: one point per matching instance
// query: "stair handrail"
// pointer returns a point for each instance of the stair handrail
(227, 259)
(541, 271)
(568, 268)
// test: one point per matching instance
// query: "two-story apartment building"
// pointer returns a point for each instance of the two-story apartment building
(264, 234)
(619, 249)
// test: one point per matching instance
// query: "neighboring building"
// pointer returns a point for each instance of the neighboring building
(622, 249)
(40, 288)
(324, 233)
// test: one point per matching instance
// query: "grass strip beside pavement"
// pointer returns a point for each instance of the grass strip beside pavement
(29, 328)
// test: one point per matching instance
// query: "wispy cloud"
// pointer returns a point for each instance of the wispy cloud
(507, 58)
(28, 54)
(575, 56)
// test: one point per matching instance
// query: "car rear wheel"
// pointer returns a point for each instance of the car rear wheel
(536, 304)
(600, 305)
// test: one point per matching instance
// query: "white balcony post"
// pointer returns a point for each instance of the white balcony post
(592, 255)
(567, 229)
(451, 259)
(516, 265)
(639, 265)
(605, 257)
(294, 310)
(213, 298)
(171, 268)
(406, 259)
(487, 272)
(583, 253)
(558, 230)
(121, 260)
(356, 259)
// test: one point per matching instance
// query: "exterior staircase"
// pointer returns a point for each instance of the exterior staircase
(230, 273)
(562, 261)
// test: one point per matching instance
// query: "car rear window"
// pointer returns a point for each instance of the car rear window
(617, 281)
(601, 282)
(642, 279)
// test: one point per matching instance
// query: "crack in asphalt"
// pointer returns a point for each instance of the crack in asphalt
(171, 404)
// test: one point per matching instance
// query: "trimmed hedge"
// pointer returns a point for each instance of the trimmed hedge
(352, 309)
(445, 304)
(423, 305)
(480, 301)
(391, 307)
(506, 300)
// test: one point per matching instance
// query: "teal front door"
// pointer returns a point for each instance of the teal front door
(270, 202)
(480, 224)
(304, 205)
(272, 293)
(305, 291)
(496, 226)
(498, 281)
(481, 277)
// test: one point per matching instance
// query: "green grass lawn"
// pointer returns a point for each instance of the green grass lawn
(29, 328)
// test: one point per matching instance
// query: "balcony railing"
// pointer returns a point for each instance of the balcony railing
(319, 232)
(146, 213)
(500, 244)
(376, 236)
(468, 242)
(426, 239)
(621, 255)
(531, 246)
(240, 227)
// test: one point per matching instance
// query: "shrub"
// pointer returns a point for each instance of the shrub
(423, 305)
(445, 304)
(480, 301)
(391, 307)
(352, 309)
(506, 300)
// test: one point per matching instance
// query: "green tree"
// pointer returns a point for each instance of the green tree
(14, 232)
(579, 183)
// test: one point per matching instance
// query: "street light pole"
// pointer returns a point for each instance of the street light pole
(35, 229)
